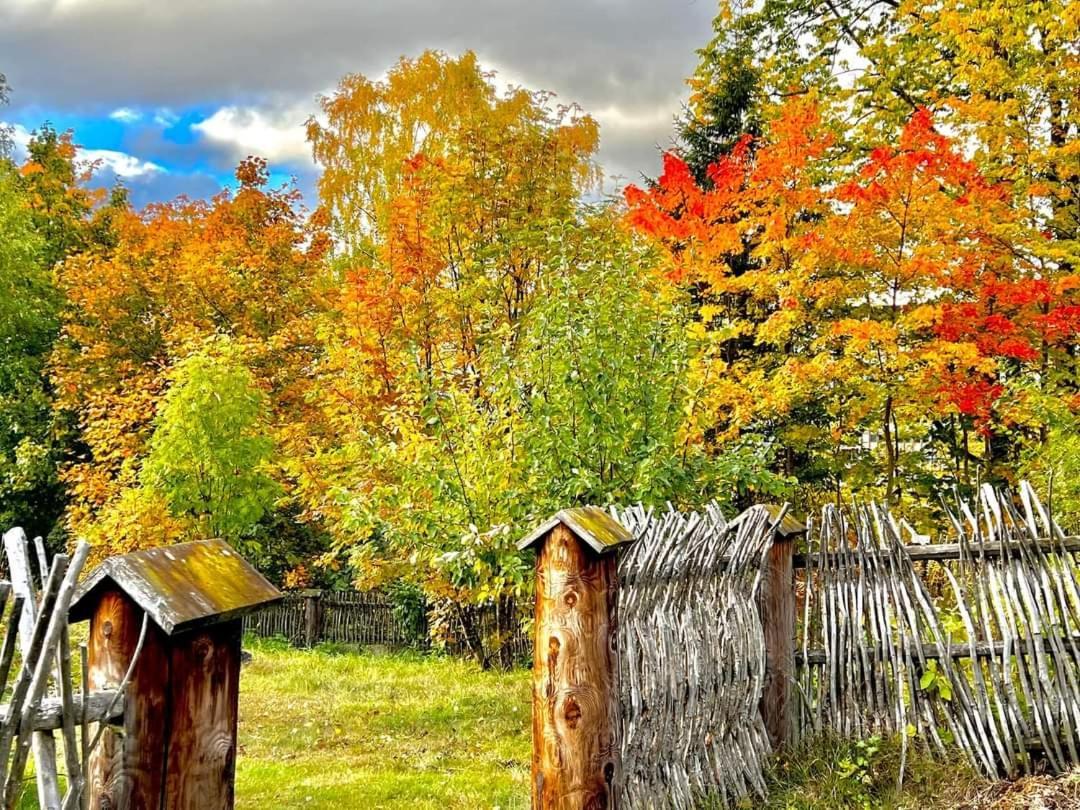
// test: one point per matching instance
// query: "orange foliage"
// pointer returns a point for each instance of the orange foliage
(244, 264)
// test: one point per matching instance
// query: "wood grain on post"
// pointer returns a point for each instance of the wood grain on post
(575, 692)
(312, 617)
(201, 763)
(128, 768)
(777, 608)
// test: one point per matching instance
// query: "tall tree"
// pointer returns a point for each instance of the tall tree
(726, 94)
(56, 184)
(498, 351)
(30, 494)
(208, 456)
(246, 265)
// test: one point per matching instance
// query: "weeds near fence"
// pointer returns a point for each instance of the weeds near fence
(829, 771)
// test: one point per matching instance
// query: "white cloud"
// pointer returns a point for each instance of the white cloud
(20, 135)
(125, 115)
(164, 117)
(650, 120)
(120, 163)
(277, 135)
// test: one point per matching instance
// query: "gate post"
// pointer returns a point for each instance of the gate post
(169, 621)
(776, 604)
(575, 694)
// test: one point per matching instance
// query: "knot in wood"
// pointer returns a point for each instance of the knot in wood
(203, 648)
(106, 629)
(572, 712)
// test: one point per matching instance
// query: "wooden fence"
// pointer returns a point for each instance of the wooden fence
(309, 617)
(731, 645)
(154, 722)
(977, 642)
(42, 694)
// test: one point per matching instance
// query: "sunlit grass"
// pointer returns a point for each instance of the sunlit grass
(341, 729)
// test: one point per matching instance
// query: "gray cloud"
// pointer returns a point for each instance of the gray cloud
(159, 186)
(624, 60)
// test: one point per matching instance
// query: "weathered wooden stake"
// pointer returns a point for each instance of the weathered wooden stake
(312, 616)
(575, 709)
(777, 607)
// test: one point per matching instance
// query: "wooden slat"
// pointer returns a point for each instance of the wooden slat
(18, 556)
(49, 714)
(55, 618)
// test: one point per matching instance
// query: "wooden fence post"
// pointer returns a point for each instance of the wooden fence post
(776, 604)
(313, 612)
(171, 617)
(575, 700)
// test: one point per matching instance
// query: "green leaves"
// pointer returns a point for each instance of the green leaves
(210, 445)
(29, 303)
(933, 680)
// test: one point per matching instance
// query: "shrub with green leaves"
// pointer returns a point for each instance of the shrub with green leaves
(210, 446)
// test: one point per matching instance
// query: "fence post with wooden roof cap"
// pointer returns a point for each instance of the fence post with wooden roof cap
(575, 696)
(166, 622)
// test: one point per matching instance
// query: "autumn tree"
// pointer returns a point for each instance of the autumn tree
(898, 307)
(736, 243)
(56, 185)
(245, 266)
(443, 193)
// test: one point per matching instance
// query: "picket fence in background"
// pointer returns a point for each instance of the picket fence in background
(368, 618)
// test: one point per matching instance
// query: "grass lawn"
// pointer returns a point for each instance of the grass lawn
(330, 729)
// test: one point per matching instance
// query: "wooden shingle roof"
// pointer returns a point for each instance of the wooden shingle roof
(181, 587)
(590, 524)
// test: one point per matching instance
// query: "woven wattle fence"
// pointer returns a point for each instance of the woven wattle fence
(691, 656)
(977, 644)
(972, 645)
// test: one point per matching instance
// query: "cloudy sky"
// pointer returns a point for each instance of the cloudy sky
(169, 94)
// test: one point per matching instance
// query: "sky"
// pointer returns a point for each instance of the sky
(168, 95)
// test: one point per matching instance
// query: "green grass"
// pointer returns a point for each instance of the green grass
(332, 729)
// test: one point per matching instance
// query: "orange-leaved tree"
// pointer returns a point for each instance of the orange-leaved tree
(245, 267)
(859, 362)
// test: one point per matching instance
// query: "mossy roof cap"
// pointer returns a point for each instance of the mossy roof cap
(181, 587)
(591, 524)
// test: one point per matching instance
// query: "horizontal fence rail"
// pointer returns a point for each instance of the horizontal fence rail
(945, 552)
